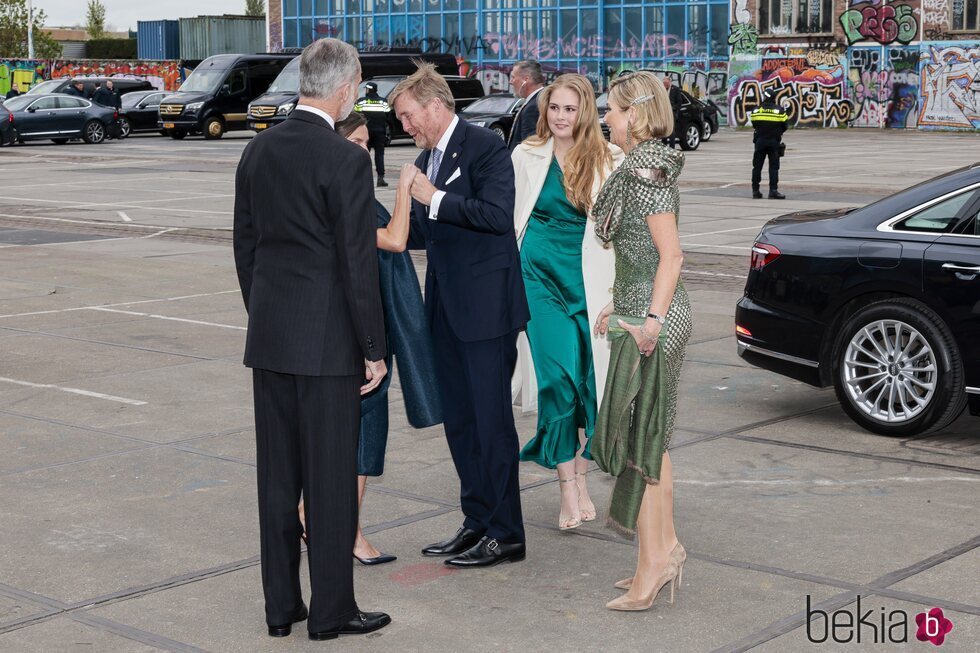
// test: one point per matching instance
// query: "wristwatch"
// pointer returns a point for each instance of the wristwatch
(659, 318)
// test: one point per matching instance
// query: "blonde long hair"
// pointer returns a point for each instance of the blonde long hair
(589, 155)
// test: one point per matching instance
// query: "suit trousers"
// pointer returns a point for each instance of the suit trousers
(764, 149)
(376, 142)
(474, 385)
(306, 430)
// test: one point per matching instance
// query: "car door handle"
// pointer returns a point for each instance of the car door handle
(962, 269)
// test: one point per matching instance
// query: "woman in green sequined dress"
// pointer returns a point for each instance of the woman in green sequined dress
(567, 276)
(649, 325)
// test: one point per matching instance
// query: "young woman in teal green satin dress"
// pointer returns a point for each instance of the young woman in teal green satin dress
(558, 173)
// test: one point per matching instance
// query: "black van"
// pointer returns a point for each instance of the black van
(214, 98)
(273, 107)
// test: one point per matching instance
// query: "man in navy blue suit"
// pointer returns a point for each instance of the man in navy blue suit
(463, 215)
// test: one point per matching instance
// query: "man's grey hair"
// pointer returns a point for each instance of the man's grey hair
(532, 69)
(325, 66)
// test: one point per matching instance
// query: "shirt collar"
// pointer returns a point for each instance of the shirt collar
(444, 141)
(533, 93)
(323, 114)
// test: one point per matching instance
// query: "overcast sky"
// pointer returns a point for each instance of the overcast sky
(123, 14)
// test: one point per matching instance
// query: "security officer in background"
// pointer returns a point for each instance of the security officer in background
(374, 108)
(769, 122)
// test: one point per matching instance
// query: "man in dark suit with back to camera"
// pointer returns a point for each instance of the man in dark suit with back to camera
(527, 80)
(463, 215)
(305, 249)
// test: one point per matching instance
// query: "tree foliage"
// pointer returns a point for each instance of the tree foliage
(255, 7)
(95, 19)
(13, 32)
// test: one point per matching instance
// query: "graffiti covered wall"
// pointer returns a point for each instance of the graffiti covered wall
(904, 64)
(949, 85)
(23, 72)
(164, 75)
(884, 86)
(811, 83)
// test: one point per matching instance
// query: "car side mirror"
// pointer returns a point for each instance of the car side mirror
(31, 110)
(225, 90)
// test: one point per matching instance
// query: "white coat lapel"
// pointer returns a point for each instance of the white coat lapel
(536, 163)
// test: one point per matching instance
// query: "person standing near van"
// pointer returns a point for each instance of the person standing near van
(374, 108)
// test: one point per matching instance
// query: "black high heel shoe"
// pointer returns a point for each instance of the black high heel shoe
(377, 560)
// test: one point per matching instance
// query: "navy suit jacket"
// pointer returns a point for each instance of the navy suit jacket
(474, 269)
(526, 123)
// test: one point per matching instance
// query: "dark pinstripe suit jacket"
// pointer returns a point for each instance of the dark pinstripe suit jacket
(306, 251)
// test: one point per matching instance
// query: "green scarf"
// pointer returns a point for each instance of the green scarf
(643, 167)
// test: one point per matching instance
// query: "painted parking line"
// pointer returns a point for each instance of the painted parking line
(76, 391)
(133, 303)
(167, 317)
(725, 231)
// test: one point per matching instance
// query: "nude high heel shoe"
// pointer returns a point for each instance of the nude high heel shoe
(568, 522)
(678, 555)
(668, 577)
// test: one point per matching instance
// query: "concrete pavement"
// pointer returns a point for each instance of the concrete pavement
(127, 490)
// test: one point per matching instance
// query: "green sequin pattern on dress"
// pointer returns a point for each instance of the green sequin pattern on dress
(645, 184)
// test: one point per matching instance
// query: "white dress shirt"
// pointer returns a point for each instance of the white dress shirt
(441, 146)
(323, 114)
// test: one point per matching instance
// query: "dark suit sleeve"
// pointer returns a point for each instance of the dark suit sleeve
(244, 231)
(529, 120)
(353, 208)
(491, 207)
(416, 237)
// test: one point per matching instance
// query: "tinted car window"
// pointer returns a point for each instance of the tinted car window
(236, 82)
(465, 88)
(492, 104)
(71, 103)
(46, 103)
(938, 218)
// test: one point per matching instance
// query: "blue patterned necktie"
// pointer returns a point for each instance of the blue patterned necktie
(436, 161)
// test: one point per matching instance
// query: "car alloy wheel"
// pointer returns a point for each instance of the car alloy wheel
(94, 132)
(125, 129)
(890, 371)
(897, 369)
(706, 132)
(692, 137)
(499, 131)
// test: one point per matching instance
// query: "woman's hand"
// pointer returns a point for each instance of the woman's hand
(406, 178)
(601, 325)
(644, 336)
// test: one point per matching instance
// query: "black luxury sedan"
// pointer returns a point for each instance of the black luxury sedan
(495, 112)
(122, 84)
(690, 123)
(140, 112)
(59, 118)
(882, 302)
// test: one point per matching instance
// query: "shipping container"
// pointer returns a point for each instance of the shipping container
(206, 36)
(158, 40)
(73, 49)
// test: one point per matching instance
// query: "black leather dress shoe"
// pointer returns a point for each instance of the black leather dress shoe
(489, 552)
(463, 540)
(361, 624)
(776, 195)
(757, 194)
(285, 630)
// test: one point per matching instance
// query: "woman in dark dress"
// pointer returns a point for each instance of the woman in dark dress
(408, 338)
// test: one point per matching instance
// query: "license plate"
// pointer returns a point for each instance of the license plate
(261, 125)
(168, 125)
